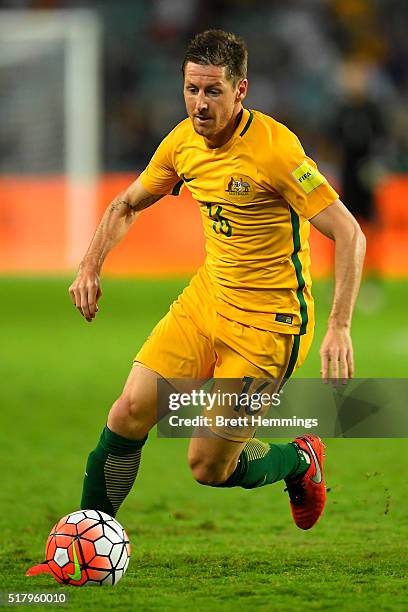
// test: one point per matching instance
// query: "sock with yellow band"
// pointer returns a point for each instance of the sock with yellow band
(263, 463)
(110, 472)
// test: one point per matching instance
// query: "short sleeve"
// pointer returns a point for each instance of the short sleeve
(298, 180)
(160, 177)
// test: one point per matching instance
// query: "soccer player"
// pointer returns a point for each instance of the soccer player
(248, 312)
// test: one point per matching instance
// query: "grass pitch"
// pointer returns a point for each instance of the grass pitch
(193, 546)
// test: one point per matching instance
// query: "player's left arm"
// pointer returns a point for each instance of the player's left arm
(336, 351)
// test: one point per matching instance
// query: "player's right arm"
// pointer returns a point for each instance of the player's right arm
(85, 291)
(158, 179)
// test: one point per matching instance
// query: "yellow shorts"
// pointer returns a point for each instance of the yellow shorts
(194, 341)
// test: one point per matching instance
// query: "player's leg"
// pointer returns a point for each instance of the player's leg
(221, 462)
(228, 455)
(177, 348)
(113, 465)
(134, 412)
(227, 462)
(212, 459)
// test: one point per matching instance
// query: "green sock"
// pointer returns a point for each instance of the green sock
(260, 464)
(110, 472)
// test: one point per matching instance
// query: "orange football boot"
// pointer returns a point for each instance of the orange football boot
(307, 493)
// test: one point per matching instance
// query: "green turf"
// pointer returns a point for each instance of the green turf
(193, 546)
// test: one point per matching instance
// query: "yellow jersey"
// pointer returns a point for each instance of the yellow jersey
(256, 194)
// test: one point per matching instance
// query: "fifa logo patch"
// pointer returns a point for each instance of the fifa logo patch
(238, 186)
(308, 177)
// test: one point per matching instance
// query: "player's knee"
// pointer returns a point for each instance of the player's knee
(207, 472)
(128, 413)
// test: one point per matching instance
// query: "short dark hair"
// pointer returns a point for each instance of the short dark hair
(219, 48)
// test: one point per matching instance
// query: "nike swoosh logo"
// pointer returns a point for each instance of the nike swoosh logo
(317, 478)
(188, 180)
(77, 568)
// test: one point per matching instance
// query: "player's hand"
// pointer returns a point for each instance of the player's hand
(336, 354)
(85, 292)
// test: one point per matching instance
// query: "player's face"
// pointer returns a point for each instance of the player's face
(212, 101)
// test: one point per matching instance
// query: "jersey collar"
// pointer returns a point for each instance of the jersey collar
(242, 127)
(247, 118)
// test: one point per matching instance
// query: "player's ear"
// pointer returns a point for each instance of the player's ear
(242, 89)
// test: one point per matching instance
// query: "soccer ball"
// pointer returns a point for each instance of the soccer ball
(87, 547)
